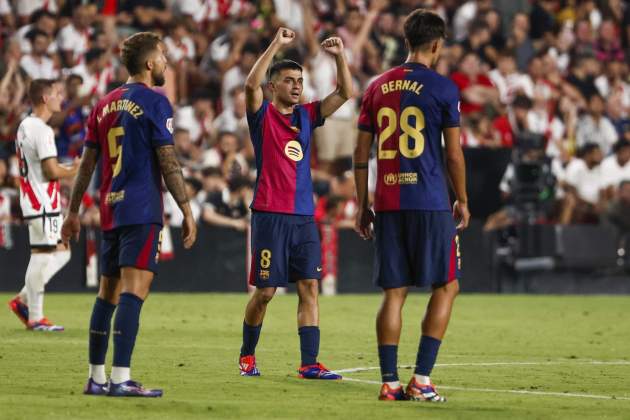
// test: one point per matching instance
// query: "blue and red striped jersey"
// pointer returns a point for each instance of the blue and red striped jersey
(406, 108)
(282, 144)
(126, 126)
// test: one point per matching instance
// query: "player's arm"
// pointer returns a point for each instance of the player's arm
(332, 102)
(174, 180)
(364, 217)
(456, 167)
(253, 90)
(72, 225)
(53, 171)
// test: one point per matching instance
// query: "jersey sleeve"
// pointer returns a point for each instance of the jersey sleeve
(365, 115)
(91, 137)
(450, 110)
(255, 119)
(161, 122)
(45, 144)
(314, 114)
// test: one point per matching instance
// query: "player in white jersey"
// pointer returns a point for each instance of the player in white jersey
(41, 202)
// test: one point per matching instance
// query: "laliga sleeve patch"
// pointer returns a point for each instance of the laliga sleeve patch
(169, 125)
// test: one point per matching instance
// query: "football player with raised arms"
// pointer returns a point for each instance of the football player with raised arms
(285, 240)
(409, 109)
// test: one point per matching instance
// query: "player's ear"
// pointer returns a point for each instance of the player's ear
(435, 46)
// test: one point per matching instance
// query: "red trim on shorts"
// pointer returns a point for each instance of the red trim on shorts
(143, 259)
(452, 262)
(252, 266)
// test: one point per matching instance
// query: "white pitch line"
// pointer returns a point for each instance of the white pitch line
(567, 362)
(511, 391)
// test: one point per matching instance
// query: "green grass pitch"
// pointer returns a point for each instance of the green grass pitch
(503, 357)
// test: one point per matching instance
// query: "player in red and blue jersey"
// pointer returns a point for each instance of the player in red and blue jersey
(130, 129)
(408, 109)
(285, 240)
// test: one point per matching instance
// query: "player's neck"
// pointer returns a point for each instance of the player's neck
(141, 79)
(42, 112)
(283, 108)
(421, 58)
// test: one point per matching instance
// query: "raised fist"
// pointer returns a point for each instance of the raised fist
(333, 45)
(284, 36)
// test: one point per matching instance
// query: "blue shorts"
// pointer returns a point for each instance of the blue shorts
(285, 248)
(135, 246)
(416, 248)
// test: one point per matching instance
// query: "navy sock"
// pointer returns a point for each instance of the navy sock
(126, 326)
(309, 344)
(388, 358)
(427, 353)
(250, 339)
(100, 325)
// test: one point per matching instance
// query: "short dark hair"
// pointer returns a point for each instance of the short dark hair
(75, 77)
(93, 54)
(34, 33)
(40, 13)
(621, 143)
(278, 66)
(587, 149)
(422, 27)
(38, 88)
(136, 48)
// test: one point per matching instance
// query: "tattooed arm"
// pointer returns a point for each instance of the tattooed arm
(174, 180)
(72, 225)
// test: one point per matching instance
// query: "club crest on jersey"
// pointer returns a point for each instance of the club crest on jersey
(293, 150)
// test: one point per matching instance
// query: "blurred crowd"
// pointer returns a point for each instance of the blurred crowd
(553, 68)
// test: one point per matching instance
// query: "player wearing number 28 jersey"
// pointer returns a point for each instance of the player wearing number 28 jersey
(407, 110)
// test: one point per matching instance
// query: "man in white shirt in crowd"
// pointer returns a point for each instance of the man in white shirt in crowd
(616, 167)
(583, 183)
(595, 127)
(73, 39)
(41, 202)
(44, 21)
(96, 73)
(37, 64)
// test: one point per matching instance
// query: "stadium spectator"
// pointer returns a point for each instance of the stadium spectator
(96, 73)
(508, 80)
(197, 119)
(37, 64)
(73, 39)
(476, 89)
(71, 121)
(595, 127)
(226, 156)
(583, 201)
(42, 20)
(616, 167)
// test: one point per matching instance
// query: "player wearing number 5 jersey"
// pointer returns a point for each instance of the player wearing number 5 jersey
(131, 130)
(407, 110)
(41, 203)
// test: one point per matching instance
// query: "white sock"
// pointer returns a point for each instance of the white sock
(23, 295)
(36, 275)
(60, 259)
(421, 379)
(120, 374)
(97, 373)
(393, 385)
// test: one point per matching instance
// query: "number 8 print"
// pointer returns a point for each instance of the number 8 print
(265, 258)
